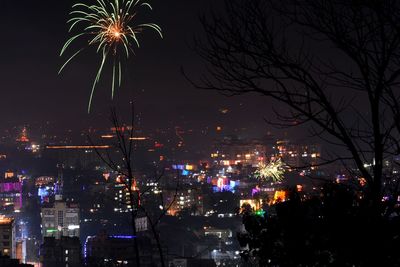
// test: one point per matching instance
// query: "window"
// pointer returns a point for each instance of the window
(60, 218)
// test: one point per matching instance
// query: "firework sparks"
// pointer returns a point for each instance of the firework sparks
(110, 27)
(274, 170)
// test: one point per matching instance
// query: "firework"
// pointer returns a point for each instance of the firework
(274, 170)
(110, 27)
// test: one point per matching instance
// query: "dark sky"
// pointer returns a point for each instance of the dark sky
(31, 91)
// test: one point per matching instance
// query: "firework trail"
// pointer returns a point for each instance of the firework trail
(110, 27)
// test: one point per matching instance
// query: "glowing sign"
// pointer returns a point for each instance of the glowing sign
(73, 227)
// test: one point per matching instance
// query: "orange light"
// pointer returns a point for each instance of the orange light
(299, 188)
(138, 138)
(280, 196)
(5, 220)
(189, 167)
(115, 32)
(255, 204)
(78, 147)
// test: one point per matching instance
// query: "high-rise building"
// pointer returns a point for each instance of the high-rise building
(7, 236)
(64, 252)
(59, 219)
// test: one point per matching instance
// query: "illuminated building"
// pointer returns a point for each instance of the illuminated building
(232, 151)
(189, 199)
(295, 155)
(7, 236)
(60, 219)
(122, 195)
(44, 180)
(44, 192)
(65, 251)
(47, 186)
(223, 234)
(10, 194)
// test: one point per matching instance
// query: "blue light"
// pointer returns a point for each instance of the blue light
(185, 173)
(178, 167)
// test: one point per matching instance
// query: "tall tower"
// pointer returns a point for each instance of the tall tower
(23, 136)
(58, 186)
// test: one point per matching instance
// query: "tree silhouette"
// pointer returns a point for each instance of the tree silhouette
(123, 165)
(332, 65)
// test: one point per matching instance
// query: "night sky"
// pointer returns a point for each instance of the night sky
(33, 33)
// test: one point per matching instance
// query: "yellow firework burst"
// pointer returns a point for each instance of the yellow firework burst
(273, 170)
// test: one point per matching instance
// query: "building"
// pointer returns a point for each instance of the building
(122, 195)
(103, 247)
(10, 194)
(298, 155)
(189, 199)
(232, 150)
(60, 218)
(223, 234)
(7, 237)
(63, 252)
(118, 249)
(32, 249)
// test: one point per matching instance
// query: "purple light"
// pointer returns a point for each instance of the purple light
(123, 236)
(255, 191)
(10, 187)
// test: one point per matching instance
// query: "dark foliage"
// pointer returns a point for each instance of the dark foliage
(334, 229)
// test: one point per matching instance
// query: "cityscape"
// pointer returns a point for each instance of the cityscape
(175, 134)
(67, 196)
